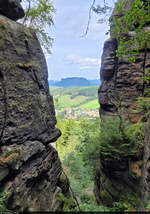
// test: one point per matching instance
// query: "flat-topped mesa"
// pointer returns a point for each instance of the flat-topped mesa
(12, 9)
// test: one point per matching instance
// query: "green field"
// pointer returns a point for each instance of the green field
(91, 104)
(85, 97)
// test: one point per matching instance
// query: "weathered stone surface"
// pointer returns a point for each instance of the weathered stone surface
(145, 186)
(11, 9)
(120, 79)
(26, 107)
(116, 178)
(121, 84)
(4, 171)
(30, 169)
(34, 184)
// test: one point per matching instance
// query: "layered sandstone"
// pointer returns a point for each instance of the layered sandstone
(30, 169)
(121, 85)
(121, 80)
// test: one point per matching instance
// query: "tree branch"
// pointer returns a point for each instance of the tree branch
(25, 18)
(89, 19)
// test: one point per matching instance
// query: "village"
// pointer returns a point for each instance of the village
(75, 113)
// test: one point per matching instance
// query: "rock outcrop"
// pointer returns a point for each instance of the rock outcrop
(121, 81)
(30, 169)
(11, 9)
(145, 184)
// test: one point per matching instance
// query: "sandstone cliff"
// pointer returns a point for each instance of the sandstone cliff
(145, 186)
(30, 169)
(121, 81)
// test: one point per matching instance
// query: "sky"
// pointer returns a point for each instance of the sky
(74, 55)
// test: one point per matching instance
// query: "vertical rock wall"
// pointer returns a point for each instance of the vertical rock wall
(121, 81)
(145, 184)
(29, 166)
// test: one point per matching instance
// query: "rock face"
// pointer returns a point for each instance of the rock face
(30, 169)
(11, 9)
(26, 107)
(121, 81)
(145, 187)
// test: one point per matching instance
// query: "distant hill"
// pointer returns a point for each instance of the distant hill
(74, 82)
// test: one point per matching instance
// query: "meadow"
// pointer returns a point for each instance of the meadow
(81, 97)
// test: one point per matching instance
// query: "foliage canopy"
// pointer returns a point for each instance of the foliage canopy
(39, 17)
(128, 26)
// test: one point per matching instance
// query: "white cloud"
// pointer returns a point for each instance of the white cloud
(83, 62)
(86, 68)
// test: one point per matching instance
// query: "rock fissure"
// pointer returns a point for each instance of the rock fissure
(34, 77)
(36, 80)
(144, 69)
(27, 47)
(4, 97)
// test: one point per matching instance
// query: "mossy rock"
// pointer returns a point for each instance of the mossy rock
(106, 198)
(64, 183)
(109, 185)
(67, 202)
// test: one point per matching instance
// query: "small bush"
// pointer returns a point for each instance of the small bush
(127, 203)
(136, 134)
(121, 139)
(114, 140)
(2, 205)
(143, 107)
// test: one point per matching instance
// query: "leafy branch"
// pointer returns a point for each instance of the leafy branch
(38, 17)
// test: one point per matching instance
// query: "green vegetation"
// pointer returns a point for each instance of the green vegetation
(80, 147)
(128, 29)
(83, 143)
(91, 105)
(127, 203)
(38, 17)
(68, 101)
(2, 205)
(121, 140)
(85, 97)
